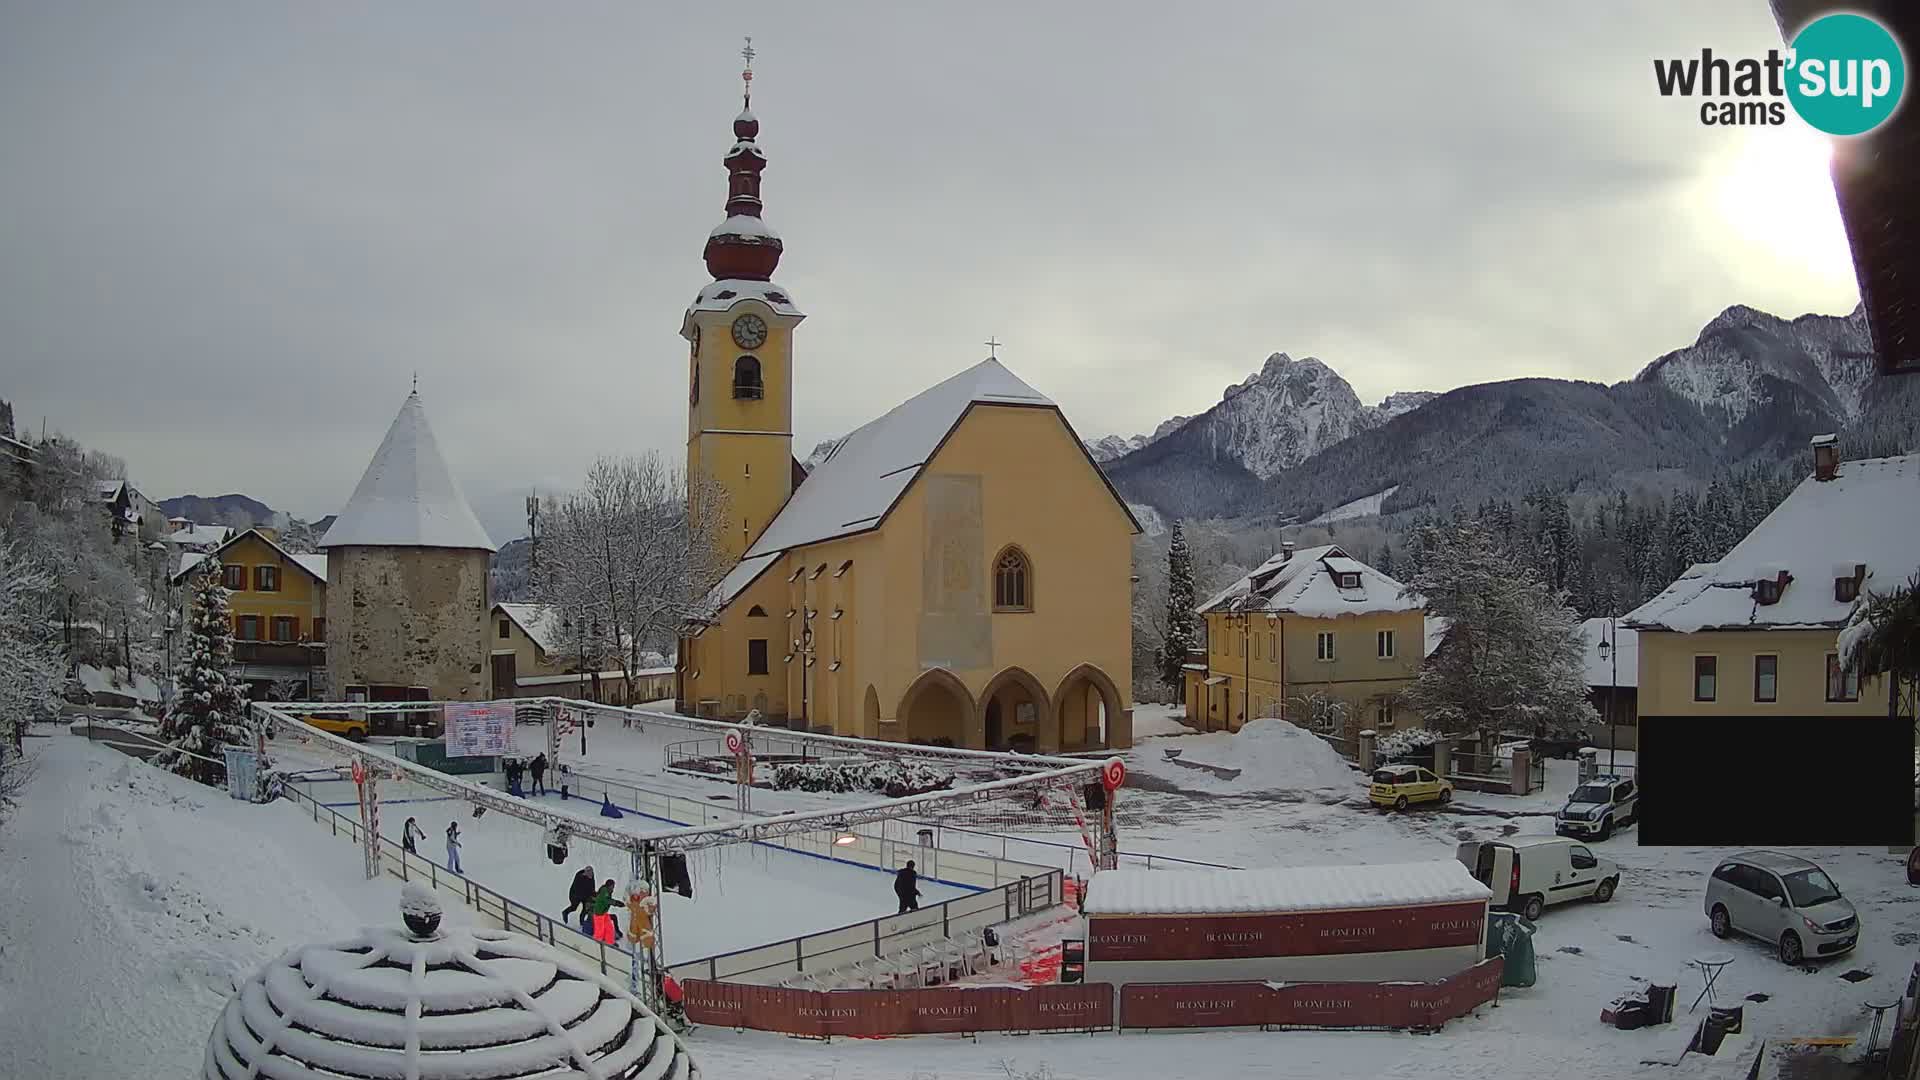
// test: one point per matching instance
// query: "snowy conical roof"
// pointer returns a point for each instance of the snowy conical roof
(408, 497)
(469, 1002)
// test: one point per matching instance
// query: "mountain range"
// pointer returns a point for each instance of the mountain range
(1293, 442)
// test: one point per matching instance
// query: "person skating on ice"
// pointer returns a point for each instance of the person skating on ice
(410, 836)
(539, 771)
(453, 847)
(580, 898)
(906, 886)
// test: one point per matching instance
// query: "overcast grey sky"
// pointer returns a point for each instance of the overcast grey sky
(230, 232)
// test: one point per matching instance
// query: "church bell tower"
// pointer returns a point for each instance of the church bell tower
(739, 334)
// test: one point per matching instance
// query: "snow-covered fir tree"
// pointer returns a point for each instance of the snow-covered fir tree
(1179, 637)
(210, 710)
(31, 667)
(1513, 657)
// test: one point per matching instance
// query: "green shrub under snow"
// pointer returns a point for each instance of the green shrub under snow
(894, 779)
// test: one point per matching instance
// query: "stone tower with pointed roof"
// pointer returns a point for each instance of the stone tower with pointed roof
(407, 576)
(957, 571)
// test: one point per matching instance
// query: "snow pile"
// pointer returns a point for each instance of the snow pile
(894, 779)
(417, 899)
(1272, 755)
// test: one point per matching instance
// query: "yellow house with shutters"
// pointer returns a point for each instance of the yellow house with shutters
(956, 572)
(278, 603)
(1313, 636)
(1757, 633)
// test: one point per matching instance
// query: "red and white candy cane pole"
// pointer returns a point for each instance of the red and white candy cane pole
(1112, 775)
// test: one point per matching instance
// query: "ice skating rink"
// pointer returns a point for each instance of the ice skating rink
(744, 895)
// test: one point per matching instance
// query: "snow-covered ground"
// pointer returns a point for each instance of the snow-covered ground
(130, 900)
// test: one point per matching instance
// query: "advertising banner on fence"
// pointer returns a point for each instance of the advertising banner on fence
(932, 1011)
(479, 729)
(1329, 1005)
(1306, 933)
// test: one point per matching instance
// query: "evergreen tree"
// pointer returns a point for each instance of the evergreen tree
(1179, 636)
(1386, 559)
(1514, 659)
(210, 711)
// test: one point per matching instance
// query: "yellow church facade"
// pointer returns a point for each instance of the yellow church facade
(956, 572)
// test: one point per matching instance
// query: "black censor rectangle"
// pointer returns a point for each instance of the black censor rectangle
(1774, 781)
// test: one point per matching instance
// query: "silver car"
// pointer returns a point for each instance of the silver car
(1783, 900)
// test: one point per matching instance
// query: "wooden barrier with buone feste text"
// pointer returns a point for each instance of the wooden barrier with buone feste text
(1091, 1006)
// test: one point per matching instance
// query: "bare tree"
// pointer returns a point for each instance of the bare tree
(632, 554)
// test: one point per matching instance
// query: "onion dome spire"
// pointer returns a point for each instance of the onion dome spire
(742, 246)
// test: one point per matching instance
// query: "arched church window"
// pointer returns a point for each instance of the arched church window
(746, 378)
(1012, 581)
(756, 612)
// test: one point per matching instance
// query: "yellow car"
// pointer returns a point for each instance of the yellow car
(1398, 785)
(339, 725)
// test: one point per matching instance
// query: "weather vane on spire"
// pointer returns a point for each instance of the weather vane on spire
(746, 75)
(416, 382)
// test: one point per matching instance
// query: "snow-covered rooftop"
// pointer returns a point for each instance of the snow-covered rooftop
(865, 474)
(408, 497)
(541, 622)
(742, 575)
(469, 1002)
(1601, 670)
(723, 294)
(1132, 891)
(199, 536)
(1304, 584)
(1869, 513)
(314, 563)
(742, 225)
(1436, 632)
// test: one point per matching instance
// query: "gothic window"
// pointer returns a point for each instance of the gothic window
(746, 378)
(756, 612)
(1012, 581)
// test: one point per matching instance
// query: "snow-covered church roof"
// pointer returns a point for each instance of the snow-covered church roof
(865, 474)
(1867, 515)
(408, 497)
(1307, 583)
(464, 1003)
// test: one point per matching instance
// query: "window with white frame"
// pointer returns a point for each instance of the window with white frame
(1383, 641)
(1323, 645)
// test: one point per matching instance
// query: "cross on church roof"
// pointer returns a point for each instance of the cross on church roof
(746, 75)
(993, 348)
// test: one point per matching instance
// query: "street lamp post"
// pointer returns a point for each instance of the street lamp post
(1610, 652)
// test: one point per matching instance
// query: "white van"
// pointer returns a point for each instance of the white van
(1526, 873)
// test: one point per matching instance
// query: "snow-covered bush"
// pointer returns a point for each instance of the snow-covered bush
(31, 672)
(893, 779)
(1398, 744)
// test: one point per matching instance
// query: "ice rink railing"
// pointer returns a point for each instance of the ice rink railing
(821, 951)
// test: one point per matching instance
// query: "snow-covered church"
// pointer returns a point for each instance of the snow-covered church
(956, 572)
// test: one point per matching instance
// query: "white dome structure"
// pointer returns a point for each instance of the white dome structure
(460, 1004)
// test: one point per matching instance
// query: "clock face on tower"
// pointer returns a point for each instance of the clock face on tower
(749, 332)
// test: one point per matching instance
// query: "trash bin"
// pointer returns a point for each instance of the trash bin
(1511, 937)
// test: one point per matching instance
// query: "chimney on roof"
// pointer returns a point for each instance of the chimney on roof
(1826, 456)
(1286, 548)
